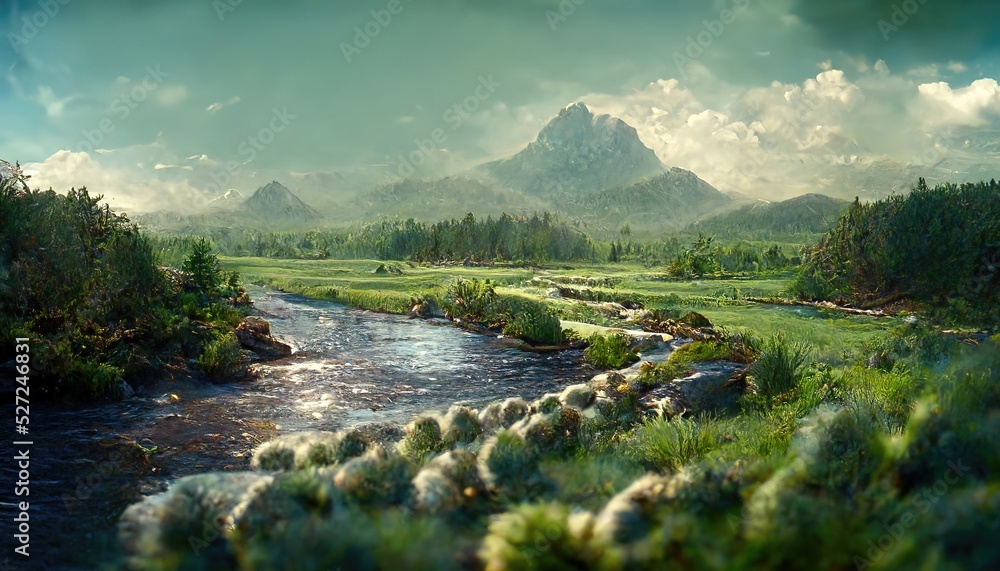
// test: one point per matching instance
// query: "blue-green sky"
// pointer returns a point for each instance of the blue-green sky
(151, 99)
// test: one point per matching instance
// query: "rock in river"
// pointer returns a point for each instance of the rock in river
(255, 334)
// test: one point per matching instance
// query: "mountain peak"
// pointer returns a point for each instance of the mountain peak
(578, 108)
(578, 151)
(274, 201)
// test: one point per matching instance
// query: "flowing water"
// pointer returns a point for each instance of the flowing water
(350, 367)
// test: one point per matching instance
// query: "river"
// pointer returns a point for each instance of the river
(350, 367)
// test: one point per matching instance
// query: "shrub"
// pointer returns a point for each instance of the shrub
(471, 299)
(299, 451)
(510, 465)
(377, 478)
(423, 439)
(543, 536)
(529, 319)
(669, 445)
(779, 368)
(460, 426)
(610, 351)
(221, 358)
(89, 378)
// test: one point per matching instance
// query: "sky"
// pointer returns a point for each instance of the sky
(166, 104)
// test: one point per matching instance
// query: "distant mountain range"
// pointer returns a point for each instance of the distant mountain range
(811, 214)
(272, 207)
(593, 169)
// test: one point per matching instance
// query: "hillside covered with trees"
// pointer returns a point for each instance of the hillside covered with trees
(936, 246)
(84, 284)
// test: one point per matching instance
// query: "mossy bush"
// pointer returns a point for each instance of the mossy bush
(423, 438)
(610, 351)
(509, 464)
(544, 536)
(221, 357)
(669, 445)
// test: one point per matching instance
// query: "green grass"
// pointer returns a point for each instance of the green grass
(837, 338)
(669, 445)
(221, 358)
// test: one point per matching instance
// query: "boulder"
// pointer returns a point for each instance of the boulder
(427, 309)
(254, 334)
(713, 386)
(695, 319)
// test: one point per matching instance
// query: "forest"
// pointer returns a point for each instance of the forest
(938, 246)
(518, 240)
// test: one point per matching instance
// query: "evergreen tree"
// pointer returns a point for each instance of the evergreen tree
(203, 267)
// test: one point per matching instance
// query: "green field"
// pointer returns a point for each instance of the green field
(836, 337)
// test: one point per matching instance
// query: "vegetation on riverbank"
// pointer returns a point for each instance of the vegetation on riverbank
(852, 441)
(872, 459)
(82, 283)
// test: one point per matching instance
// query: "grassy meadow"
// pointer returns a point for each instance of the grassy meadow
(836, 337)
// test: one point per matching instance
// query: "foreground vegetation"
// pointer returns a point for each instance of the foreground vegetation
(83, 284)
(832, 441)
(884, 467)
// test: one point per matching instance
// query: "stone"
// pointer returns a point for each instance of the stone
(254, 334)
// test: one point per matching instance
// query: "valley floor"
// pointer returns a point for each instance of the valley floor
(819, 440)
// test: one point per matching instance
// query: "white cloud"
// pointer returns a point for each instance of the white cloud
(220, 105)
(129, 188)
(975, 105)
(788, 139)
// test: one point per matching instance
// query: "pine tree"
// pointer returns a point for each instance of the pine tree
(203, 267)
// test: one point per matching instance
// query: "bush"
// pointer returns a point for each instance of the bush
(377, 478)
(529, 319)
(90, 378)
(669, 445)
(221, 358)
(610, 351)
(423, 439)
(779, 368)
(510, 465)
(543, 536)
